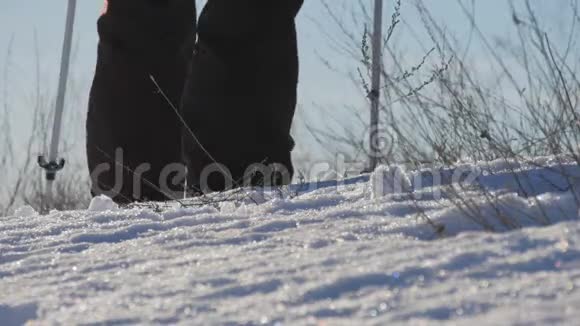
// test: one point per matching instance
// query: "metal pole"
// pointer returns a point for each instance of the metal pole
(375, 95)
(52, 166)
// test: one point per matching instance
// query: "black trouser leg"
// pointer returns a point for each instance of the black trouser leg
(132, 132)
(240, 96)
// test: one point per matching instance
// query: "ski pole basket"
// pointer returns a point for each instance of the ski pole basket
(51, 167)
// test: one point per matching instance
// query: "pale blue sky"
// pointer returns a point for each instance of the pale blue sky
(19, 19)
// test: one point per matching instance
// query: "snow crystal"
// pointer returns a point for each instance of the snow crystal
(102, 204)
(25, 211)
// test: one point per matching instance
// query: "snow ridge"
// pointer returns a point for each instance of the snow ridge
(361, 250)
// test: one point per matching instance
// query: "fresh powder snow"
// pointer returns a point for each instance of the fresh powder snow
(485, 243)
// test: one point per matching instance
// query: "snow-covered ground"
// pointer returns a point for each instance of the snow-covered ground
(395, 247)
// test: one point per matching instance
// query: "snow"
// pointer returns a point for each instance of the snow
(363, 250)
(25, 211)
(102, 204)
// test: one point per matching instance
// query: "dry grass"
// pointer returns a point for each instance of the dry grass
(23, 180)
(443, 110)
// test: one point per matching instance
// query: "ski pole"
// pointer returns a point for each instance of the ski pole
(375, 95)
(54, 165)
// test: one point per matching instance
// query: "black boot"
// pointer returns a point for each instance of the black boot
(240, 96)
(133, 134)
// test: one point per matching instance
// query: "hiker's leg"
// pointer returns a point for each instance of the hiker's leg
(128, 118)
(240, 96)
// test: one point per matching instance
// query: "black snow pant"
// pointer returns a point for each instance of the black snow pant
(175, 102)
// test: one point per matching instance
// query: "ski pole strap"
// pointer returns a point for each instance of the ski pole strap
(51, 168)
